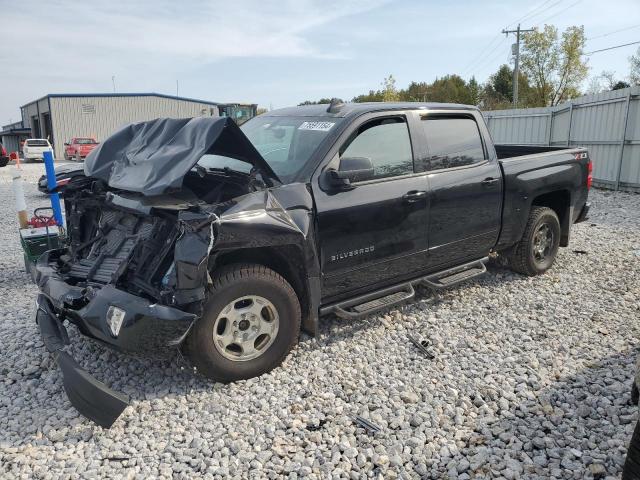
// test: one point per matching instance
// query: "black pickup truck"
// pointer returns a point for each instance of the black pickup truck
(227, 241)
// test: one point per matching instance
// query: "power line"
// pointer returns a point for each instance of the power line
(490, 60)
(611, 48)
(615, 31)
(533, 12)
(560, 11)
(483, 55)
(481, 61)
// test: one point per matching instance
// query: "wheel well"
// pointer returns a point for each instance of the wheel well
(558, 201)
(284, 260)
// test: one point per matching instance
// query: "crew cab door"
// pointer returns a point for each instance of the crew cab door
(373, 231)
(465, 187)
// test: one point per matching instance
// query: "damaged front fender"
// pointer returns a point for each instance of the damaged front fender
(275, 223)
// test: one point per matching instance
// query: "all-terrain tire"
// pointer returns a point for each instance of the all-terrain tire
(523, 258)
(229, 284)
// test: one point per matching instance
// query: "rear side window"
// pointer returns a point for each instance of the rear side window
(452, 142)
(386, 142)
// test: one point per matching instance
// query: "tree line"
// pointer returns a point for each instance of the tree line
(553, 67)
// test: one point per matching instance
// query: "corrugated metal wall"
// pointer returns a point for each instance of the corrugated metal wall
(608, 124)
(99, 117)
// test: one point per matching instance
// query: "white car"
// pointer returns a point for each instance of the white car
(34, 148)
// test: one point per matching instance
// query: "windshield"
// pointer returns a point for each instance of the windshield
(286, 143)
(85, 141)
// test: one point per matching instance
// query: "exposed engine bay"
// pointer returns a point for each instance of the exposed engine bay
(153, 247)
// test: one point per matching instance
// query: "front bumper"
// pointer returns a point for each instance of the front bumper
(90, 397)
(146, 327)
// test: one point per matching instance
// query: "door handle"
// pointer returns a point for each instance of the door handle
(414, 196)
(489, 182)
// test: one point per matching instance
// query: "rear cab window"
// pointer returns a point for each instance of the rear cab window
(452, 141)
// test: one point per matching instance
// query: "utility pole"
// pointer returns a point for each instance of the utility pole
(113, 81)
(516, 53)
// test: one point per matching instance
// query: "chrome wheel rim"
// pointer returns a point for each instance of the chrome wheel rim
(246, 328)
(542, 242)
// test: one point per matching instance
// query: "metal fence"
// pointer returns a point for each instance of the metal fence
(607, 123)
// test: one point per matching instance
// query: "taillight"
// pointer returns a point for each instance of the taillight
(589, 174)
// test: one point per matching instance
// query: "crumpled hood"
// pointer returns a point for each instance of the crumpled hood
(153, 157)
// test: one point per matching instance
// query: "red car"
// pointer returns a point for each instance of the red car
(4, 159)
(79, 147)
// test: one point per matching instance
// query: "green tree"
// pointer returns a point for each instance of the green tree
(498, 91)
(474, 91)
(312, 102)
(415, 92)
(502, 82)
(389, 90)
(372, 96)
(555, 66)
(449, 89)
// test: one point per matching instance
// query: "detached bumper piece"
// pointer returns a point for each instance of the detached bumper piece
(92, 398)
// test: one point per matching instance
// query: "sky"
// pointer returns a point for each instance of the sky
(278, 53)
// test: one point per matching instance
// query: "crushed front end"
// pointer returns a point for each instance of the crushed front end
(133, 275)
(141, 224)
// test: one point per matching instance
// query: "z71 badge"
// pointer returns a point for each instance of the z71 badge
(352, 253)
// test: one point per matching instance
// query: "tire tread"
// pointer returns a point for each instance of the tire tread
(519, 258)
(234, 273)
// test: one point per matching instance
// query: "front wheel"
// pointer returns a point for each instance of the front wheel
(537, 250)
(249, 324)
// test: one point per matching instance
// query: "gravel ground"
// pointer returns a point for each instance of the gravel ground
(531, 378)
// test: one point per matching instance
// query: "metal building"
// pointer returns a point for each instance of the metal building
(59, 117)
(607, 123)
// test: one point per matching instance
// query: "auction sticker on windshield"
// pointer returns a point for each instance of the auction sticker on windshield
(320, 126)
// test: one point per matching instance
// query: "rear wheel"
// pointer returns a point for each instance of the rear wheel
(66, 156)
(249, 324)
(537, 250)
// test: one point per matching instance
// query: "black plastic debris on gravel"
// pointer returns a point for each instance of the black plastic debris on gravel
(422, 346)
(366, 424)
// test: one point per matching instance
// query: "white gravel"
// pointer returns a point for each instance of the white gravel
(531, 378)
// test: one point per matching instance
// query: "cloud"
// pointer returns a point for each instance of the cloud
(78, 46)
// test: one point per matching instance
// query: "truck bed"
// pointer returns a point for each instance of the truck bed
(510, 151)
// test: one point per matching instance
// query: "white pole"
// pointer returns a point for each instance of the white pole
(21, 203)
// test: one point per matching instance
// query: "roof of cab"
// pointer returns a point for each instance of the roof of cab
(348, 109)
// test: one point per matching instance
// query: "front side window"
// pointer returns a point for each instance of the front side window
(452, 142)
(386, 142)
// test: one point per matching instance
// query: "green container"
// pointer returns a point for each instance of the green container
(36, 241)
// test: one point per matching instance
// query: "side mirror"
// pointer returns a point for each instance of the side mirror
(66, 144)
(351, 169)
